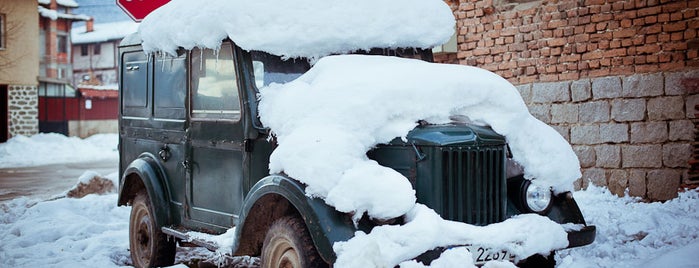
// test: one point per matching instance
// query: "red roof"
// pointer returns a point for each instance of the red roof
(99, 93)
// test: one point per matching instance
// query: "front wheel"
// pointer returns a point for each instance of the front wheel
(288, 244)
(149, 246)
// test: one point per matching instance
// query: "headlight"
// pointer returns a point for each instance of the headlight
(537, 198)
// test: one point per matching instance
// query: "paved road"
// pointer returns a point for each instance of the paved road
(49, 180)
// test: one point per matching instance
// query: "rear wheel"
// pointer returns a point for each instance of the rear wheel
(288, 244)
(149, 246)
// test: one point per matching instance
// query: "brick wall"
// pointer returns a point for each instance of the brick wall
(23, 112)
(618, 79)
(534, 41)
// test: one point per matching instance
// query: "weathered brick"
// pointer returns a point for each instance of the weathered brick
(666, 108)
(676, 155)
(637, 182)
(606, 87)
(551, 92)
(526, 92)
(585, 134)
(679, 83)
(681, 130)
(644, 156)
(649, 132)
(541, 112)
(586, 155)
(618, 181)
(663, 184)
(628, 109)
(564, 113)
(614, 132)
(595, 176)
(608, 156)
(595, 111)
(563, 130)
(643, 85)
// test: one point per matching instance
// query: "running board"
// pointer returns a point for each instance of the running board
(210, 245)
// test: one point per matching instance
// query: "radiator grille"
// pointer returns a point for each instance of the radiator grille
(474, 186)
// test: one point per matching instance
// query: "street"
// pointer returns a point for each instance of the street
(48, 180)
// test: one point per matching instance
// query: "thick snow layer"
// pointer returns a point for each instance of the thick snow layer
(631, 233)
(51, 148)
(103, 32)
(310, 28)
(389, 245)
(327, 120)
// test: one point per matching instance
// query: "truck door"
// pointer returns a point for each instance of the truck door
(216, 140)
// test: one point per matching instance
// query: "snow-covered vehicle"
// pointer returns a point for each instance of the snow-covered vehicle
(198, 154)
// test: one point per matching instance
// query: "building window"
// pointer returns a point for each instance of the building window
(2, 31)
(62, 44)
(83, 50)
(96, 49)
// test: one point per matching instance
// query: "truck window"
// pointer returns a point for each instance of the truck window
(170, 87)
(269, 68)
(135, 89)
(214, 84)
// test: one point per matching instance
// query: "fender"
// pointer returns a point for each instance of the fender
(151, 176)
(325, 224)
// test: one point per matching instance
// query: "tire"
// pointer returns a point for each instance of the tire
(288, 244)
(148, 245)
(539, 261)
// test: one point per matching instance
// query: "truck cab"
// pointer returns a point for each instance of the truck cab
(194, 158)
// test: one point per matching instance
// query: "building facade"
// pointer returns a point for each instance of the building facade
(95, 47)
(55, 68)
(618, 79)
(19, 68)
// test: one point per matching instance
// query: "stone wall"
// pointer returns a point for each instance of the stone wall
(23, 105)
(630, 132)
(617, 78)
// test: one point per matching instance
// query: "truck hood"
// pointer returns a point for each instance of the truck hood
(453, 134)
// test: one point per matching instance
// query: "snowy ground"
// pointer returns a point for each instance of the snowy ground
(93, 231)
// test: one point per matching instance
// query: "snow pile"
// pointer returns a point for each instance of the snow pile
(103, 32)
(91, 182)
(327, 119)
(389, 245)
(310, 28)
(64, 233)
(633, 232)
(52, 148)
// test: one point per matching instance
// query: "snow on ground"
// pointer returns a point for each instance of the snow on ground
(52, 148)
(93, 231)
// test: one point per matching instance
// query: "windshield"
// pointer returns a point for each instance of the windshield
(270, 68)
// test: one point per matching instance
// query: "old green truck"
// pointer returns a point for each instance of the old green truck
(194, 157)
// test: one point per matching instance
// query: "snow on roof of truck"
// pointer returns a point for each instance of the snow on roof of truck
(299, 28)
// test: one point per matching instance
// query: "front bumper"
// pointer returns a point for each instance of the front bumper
(576, 238)
(584, 236)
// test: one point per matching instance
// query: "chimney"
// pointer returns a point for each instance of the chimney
(90, 25)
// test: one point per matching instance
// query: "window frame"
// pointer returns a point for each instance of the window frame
(97, 49)
(211, 115)
(84, 50)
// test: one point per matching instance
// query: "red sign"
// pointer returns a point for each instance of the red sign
(139, 9)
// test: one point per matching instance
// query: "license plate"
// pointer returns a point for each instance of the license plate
(482, 255)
